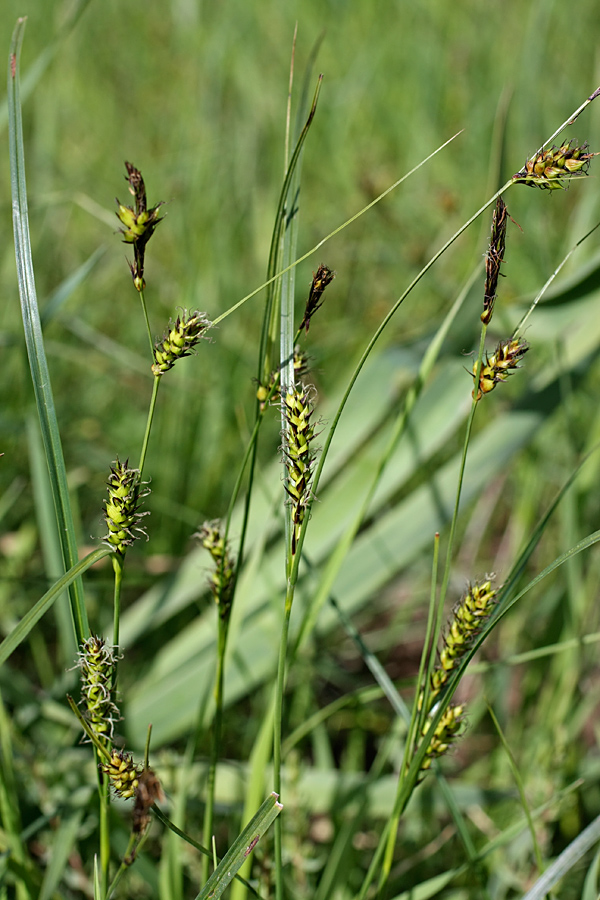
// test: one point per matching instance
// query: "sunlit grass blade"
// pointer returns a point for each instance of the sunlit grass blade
(241, 849)
(34, 339)
(565, 861)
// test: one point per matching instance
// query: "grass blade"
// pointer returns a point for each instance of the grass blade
(240, 849)
(34, 339)
(20, 632)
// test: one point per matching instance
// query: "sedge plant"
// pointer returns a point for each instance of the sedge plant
(426, 732)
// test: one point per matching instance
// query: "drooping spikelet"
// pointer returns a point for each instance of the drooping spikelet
(468, 618)
(179, 340)
(138, 223)
(549, 168)
(497, 367)
(493, 259)
(121, 514)
(321, 278)
(298, 454)
(98, 662)
(222, 579)
(123, 773)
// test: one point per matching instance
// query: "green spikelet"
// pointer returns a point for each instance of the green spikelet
(549, 168)
(222, 579)
(447, 730)
(299, 455)
(497, 367)
(123, 774)
(179, 340)
(98, 662)
(467, 621)
(121, 508)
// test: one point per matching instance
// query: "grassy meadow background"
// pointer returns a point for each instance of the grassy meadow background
(194, 94)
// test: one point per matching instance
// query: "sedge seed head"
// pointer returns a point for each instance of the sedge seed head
(138, 221)
(499, 365)
(468, 618)
(180, 339)
(299, 454)
(97, 661)
(551, 168)
(123, 774)
(222, 579)
(121, 508)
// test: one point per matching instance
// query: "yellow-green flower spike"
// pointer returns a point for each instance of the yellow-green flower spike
(222, 579)
(299, 455)
(468, 618)
(123, 774)
(121, 509)
(499, 365)
(98, 661)
(447, 730)
(179, 340)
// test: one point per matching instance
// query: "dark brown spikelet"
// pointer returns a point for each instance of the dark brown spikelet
(497, 367)
(321, 278)
(549, 168)
(148, 791)
(179, 340)
(138, 222)
(493, 259)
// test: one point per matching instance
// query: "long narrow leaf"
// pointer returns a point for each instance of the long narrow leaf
(565, 862)
(20, 632)
(34, 339)
(241, 849)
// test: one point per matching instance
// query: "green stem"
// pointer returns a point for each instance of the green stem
(118, 563)
(104, 809)
(151, 410)
(147, 321)
(217, 728)
(277, 726)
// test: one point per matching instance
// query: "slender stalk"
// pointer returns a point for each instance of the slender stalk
(104, 826)
(217, 727)
(118, 563)
(147, 321)
(157, 379)
(277, 732)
